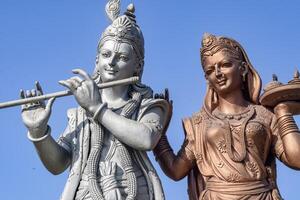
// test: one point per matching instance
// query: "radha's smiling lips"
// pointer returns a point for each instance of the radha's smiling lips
(222, 81)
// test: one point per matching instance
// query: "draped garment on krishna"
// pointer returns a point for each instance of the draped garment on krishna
(76, 140)
(209, 143)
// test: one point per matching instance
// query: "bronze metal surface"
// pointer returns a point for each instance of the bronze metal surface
(231, 144)
(272, 97)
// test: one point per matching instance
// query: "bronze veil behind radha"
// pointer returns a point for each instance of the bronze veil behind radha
(231, 143)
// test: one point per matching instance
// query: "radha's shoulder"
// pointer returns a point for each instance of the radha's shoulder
(196, 118)
(263, 115)
(191, 123)
(262, 111)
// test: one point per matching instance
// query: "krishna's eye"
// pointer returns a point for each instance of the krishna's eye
(105, 54)
(124, 58)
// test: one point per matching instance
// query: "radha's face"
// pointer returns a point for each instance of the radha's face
(223, 72)
(116, 61)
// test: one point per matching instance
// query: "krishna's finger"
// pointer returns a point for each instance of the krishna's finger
(82, 73)
(38, 88)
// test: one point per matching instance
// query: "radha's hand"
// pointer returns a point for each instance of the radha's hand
(166, 96)
(292, 107)
(36, 115)
(85, 90)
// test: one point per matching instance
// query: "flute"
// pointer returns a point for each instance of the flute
(18, 102)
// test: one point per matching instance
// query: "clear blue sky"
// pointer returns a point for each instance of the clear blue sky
(44, 40)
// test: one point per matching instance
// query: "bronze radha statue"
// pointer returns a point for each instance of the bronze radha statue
(231, 144)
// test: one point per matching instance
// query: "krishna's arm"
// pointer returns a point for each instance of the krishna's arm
(143, 133)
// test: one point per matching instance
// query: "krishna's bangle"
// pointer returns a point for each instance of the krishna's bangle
(32, 139)
(99, 109)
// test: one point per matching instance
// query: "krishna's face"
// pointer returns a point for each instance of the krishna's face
(116, 60)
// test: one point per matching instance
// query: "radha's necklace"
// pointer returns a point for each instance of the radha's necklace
(236, 116)
(231, 128)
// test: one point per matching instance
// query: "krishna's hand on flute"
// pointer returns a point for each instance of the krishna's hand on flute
(85, 90)
(36, 115)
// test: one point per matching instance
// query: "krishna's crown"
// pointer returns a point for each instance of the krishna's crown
(123, 28)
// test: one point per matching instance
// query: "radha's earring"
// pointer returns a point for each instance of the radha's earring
(244, 76)
(207, 83)
(244, 67)
(214, 98)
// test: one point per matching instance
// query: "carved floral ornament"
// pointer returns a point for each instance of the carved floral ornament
(212, 44)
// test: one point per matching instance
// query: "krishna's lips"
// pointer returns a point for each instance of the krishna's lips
(111, 71)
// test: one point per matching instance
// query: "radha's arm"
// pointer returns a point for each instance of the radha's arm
(288, 133)
(174, 166)
(177, 166)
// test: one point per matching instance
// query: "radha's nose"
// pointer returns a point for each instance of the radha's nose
(218, 72)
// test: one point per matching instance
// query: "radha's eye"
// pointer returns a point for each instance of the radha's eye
(208, 71)
(227, 64)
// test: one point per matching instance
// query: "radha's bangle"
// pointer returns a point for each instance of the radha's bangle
(162, 147)
(287, 124)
